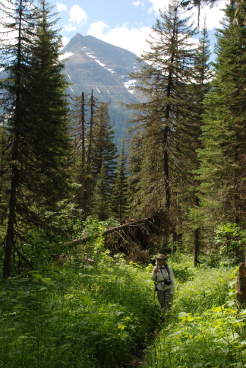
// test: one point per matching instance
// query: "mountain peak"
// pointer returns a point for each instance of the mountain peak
(91, 63)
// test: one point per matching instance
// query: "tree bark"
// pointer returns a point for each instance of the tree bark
(10, 235)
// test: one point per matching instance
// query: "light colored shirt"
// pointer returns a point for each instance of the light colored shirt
(160, 276)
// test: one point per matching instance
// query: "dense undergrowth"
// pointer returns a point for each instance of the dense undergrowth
(95, 311)
(205, 328)
(91, 311)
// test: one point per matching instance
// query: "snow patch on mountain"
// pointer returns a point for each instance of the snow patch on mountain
(71, 81)
(130, 84)
(67, 55)
(99, 62)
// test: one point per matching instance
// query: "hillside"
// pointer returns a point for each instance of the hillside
(92, 64)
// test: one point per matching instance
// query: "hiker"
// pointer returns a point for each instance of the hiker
(164, 281)
(241, 284)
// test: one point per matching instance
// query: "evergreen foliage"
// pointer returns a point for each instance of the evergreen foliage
(168, 117)
(134, 165)
(82, 118)
(100, 204)
(120, 191)
(19, 19)
(103, 146)
(103, 163)
(222, 171)
(35, 108)
(95, 156)
(49, 111)
(202, 75)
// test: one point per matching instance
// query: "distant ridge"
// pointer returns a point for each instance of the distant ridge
(94, 64)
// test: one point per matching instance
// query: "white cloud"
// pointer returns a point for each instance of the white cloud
(97, 28)
(61, 7)
(137, 3)
(65, 41)
(69, 27)
(213, 14)
(156, 5)
(8, 35)
(133, 39)
(77, 15)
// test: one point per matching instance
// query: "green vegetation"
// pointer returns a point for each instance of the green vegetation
(82, 306)
(205, 329)
(94, 310)
(91, 310)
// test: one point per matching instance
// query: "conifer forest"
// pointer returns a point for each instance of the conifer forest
(82, 215)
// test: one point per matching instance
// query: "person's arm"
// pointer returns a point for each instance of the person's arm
(154, 273)
(171, 276)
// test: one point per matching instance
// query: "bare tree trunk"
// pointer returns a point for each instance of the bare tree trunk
(83, 162)
(2, 172)
(10, 235)
(90, 131)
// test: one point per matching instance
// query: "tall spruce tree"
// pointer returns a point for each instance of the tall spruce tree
(134, 168)
(120, 190)
(222, 171)
(82, 116)
(78, 116)
(100, 203)
(103, 155)
(103, 146)
(36, 111)
(48, 122)
(168, 115)
(18, 18)
(202, 76)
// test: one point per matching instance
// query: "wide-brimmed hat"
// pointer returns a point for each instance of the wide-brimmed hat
(161, 256)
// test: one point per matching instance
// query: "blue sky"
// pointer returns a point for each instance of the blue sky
(124, 23)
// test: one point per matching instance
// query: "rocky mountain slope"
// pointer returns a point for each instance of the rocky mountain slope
(94, 64)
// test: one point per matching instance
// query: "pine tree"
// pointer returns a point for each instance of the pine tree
(78, 117)
(82, 117)
(222, 171)
(103, 159)
(49, 135)
(36, 111)
(167, 114)
(103, 146)
(202, 75)
(100, 204)
(120, 190)
(134, 167)
(19, 18)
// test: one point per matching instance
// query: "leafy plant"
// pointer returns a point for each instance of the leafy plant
(79, 313)
(205, 329)
(231, 240)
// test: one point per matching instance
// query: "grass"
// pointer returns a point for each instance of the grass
(205, 328)
(95, 311)
(83, 314)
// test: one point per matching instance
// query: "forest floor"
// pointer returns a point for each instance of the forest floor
(103, 314)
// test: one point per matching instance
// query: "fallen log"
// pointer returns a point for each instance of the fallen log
(130, 237)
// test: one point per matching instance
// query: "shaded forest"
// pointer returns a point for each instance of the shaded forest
(185, 159)
(81, 219)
